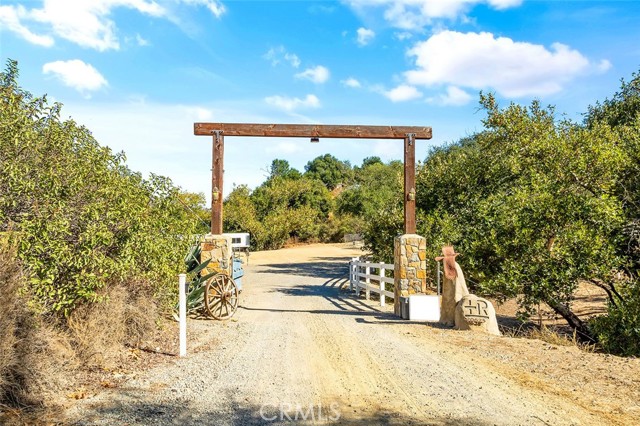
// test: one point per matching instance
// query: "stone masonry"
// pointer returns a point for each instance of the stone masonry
(218, 248)
(410, 271)
(453, 290)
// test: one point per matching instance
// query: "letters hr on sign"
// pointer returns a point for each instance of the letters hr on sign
(476, 311)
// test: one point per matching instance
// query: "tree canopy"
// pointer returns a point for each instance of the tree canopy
(536, 204)
(81, 218)
(329, 170)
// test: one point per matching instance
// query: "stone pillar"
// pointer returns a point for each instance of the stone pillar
(218, 248)
(410, 267)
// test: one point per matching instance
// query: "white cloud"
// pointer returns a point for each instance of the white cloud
(388, 149)
(403, 93)
(275, 55)
(351, 82)
(10, 20)
(482, 61)
(86, 23)
(215, 7)
(604, 66)
(365, 36)
(402, 35)
(285, 147)
(199, 113)
(415, 14)
(292, 104)
(76, 74)
(293, 59)
(317, 74)
(141, 41)
(454, 96)
(504, 4)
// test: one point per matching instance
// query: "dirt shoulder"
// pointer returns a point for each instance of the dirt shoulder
(301, 343)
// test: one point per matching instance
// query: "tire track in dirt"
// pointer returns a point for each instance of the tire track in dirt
(298, 342)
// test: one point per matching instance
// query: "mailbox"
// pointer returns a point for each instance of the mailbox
(237, 273)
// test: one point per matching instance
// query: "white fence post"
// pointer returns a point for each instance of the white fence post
(367, 292)
(182, 302)
(353, 271)
(361, 269)
(382, 286)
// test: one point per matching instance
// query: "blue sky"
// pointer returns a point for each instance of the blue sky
(139, 73)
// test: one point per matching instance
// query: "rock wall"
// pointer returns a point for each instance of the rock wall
(218, 248)
(410, 267)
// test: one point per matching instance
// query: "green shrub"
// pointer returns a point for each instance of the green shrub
(618, 331)
(83, 219)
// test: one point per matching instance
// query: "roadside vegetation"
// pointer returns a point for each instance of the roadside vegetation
(89, 249)
(536, 204)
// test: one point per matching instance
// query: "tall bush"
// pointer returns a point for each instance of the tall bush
(84, 219)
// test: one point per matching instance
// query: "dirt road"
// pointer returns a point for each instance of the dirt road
(302, 347)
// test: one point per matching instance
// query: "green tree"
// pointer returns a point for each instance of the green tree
(240, 215)
(288, 193)
(369, 161)
(281, 168)
(619, 330)
(622, 114)
(376, 201)
(529, 202)
(329, 170)
(280, 209)
(83, 219)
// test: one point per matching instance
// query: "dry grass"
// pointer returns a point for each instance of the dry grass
(35, 358)
(10, 282)
(47, 365)
(547, 334)
(100, 331)
(43, 360)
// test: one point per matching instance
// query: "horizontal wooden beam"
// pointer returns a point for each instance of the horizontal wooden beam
(312, 130)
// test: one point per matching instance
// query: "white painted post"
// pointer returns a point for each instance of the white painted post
(182, 302)
(352, 272)
(382, 286)
(357, 277)
(367, 292)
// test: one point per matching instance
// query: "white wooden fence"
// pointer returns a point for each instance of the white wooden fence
(361, 274)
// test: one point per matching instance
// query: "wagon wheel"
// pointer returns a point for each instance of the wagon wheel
(221, 297)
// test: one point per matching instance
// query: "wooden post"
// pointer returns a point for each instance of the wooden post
(409, 133)
(410, 184)
(312, 130)
(217, 171)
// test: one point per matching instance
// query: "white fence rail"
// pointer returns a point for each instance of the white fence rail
(361, 273)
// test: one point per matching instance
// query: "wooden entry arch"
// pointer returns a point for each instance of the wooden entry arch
(410, 134)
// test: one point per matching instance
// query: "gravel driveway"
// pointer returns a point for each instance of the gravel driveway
(302, 348)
